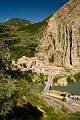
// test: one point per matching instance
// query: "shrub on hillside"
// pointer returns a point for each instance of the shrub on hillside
(77, 76)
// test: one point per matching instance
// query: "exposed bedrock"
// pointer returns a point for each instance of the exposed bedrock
(61, 37)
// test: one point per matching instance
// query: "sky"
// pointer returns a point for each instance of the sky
(33, 10)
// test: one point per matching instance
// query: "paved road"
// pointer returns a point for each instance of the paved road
(58, 104)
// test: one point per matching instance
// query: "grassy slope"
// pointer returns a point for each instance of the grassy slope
(22, 40)
(17, 22)
(73, 88)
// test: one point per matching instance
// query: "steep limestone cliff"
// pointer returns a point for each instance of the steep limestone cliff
(61, 37)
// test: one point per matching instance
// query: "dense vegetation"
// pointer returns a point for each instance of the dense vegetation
(21, 100)
(77, 77)
(19, 43)
(21, 39)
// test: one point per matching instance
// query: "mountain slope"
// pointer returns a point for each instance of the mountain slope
(22, 40)
(17, 22)
(61, 37)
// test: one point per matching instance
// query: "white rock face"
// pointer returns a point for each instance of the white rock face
(61, 37)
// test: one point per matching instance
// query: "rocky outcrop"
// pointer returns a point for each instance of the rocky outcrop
(61, 37)
(62, 81)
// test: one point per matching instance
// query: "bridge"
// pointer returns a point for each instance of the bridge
(49, 83)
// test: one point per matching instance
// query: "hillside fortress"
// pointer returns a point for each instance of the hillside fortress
(61, 36)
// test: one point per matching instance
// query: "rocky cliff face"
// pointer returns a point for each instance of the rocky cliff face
(61, 37)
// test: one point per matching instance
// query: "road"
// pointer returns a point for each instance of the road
(58, 104)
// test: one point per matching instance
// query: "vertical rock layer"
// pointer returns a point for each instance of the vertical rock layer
(61, 37)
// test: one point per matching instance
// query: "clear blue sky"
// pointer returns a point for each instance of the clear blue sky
(33, 10)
